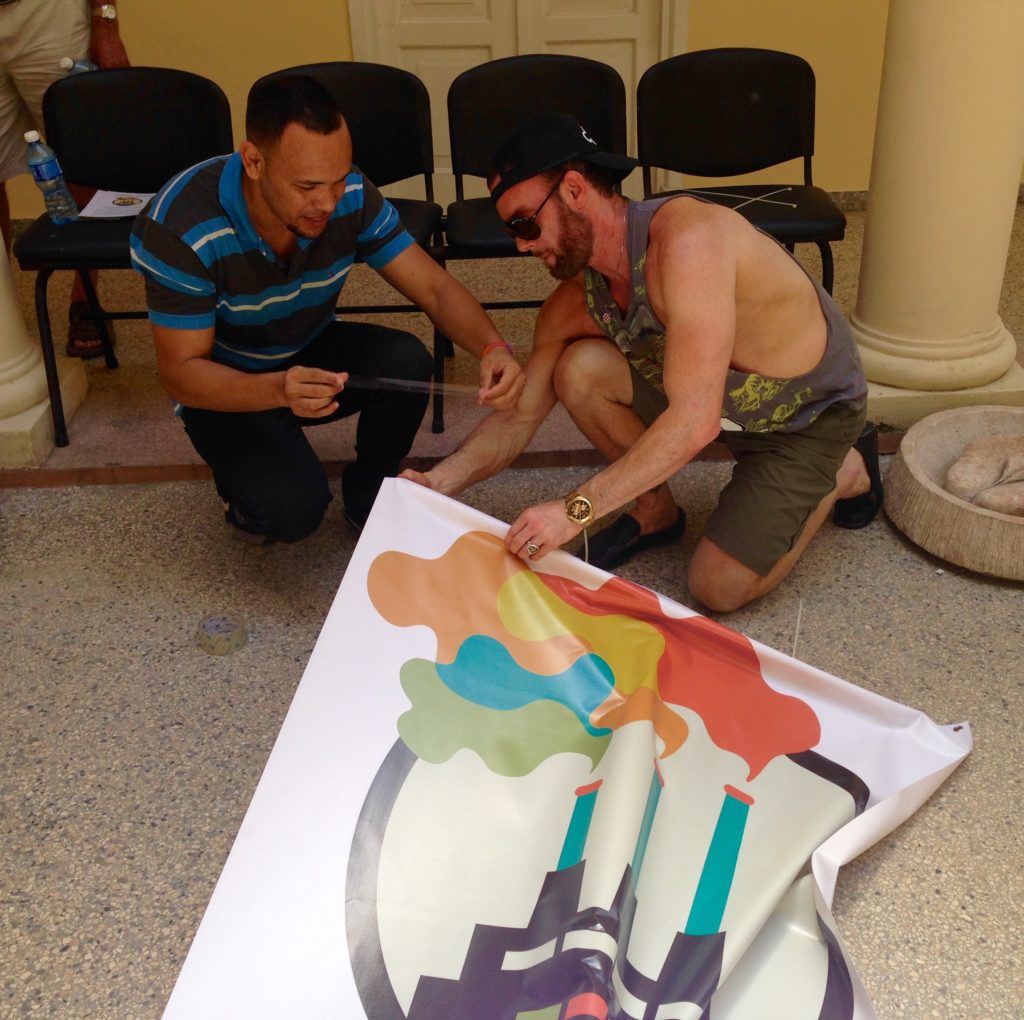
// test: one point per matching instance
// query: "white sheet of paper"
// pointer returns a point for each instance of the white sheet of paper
(108, 205)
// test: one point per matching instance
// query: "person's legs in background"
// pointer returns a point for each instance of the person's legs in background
(33, 39)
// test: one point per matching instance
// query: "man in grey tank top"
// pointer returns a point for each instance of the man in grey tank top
(675, 323)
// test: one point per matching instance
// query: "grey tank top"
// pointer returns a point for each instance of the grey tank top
(751, 402)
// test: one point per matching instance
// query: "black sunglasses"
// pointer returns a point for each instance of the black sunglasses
(525, 227)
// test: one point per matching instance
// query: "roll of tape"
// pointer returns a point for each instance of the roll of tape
(221, 633)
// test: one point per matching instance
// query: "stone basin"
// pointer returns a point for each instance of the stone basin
(946, 526)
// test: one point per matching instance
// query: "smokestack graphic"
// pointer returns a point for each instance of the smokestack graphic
(579, 826)
(720, 864)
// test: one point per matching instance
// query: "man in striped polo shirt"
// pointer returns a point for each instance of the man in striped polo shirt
(244, 258)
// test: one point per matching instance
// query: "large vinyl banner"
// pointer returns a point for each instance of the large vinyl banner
(514, 792)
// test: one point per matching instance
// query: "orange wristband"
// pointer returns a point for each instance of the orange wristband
(493, 344)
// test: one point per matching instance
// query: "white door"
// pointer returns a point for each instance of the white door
(438, 39)
(623, 33)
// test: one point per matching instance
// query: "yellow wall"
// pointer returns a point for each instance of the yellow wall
(235, 41)
(231, 41)
(843, 40)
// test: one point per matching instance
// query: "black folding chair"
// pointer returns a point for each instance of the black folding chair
(729, 112)
(486, 104)
(387, 110)
(128, 129)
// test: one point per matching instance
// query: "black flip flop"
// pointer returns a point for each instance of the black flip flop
(859, 511)
(613, 545)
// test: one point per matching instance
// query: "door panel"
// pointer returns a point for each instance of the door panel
(439, 40)
(623, 33)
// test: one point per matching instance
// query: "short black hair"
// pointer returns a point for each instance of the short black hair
(276, 101)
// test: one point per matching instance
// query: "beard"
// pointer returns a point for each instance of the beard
(306, 233)
(577, 242)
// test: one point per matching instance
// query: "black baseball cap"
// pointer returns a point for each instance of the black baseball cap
(549, 140)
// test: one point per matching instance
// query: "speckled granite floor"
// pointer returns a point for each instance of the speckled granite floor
(128, 756)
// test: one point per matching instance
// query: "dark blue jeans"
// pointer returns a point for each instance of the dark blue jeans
(263, 465)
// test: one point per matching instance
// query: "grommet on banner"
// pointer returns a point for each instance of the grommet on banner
(221, 633)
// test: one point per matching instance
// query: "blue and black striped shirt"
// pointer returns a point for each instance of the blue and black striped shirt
(205, 265)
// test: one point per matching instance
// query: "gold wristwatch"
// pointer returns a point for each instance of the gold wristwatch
(578, 509)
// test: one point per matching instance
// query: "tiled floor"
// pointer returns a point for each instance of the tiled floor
(129, 756)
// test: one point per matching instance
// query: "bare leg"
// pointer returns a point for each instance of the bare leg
(77, 288)
(592, 380)
(723, 584)
(84, 337)
(81, 196)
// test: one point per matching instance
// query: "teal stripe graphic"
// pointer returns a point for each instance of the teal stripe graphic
(579, 827)
(653, 796)
(719, 867)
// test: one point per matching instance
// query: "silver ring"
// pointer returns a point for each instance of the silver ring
(532, 548)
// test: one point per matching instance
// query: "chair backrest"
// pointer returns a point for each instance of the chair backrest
(134, 128)
(487, 102)
(387, 110)
(720, 112)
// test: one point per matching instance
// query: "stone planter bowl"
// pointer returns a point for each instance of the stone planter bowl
(950, 528)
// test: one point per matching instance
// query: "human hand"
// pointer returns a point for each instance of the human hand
(105, 45)
(501, 379)
(418, 477)
(310, 392)
(540, 530)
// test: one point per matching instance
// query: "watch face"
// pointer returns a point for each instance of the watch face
(579, 509)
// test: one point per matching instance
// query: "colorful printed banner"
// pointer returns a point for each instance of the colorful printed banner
(515, 793)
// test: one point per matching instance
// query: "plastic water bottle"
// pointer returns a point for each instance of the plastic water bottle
(43, 165)
(77, 66)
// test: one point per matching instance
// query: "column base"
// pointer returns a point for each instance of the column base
(900, 408)
(26, 438)
(954, 363)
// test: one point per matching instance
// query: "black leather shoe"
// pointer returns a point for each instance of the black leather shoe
(622, 540)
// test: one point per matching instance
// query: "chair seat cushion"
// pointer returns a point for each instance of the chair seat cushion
(474, 230)
(791, 213)
(421, 218)
(84, 244)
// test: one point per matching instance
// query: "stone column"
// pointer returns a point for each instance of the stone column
(949, 148)
(26, 428)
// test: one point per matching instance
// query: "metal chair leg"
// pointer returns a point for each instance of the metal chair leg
(60, 431)
(826, 265)
(437, 421)
(439, 254)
